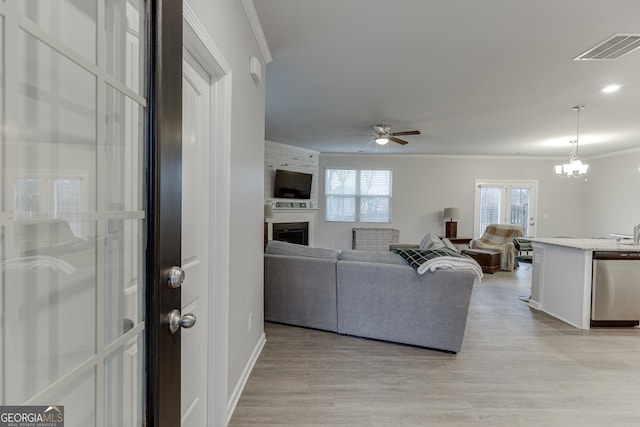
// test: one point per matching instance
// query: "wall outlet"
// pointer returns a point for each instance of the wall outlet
(250, 325)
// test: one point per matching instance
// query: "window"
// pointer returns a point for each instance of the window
(67, 203)
(358, 195)
(39, 196)
(505, 202)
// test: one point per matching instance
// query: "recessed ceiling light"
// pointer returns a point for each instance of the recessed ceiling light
(611, 88)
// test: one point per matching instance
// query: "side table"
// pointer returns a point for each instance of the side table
(459, 240)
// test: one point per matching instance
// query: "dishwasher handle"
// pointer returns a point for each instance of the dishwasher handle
(621, 255)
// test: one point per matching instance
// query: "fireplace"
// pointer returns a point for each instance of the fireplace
(292, 232)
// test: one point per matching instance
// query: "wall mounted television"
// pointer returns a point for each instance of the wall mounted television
(292, 185)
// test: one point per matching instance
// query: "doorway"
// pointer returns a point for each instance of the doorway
(505, 202)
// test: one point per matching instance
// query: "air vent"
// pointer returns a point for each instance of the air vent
(612, 48)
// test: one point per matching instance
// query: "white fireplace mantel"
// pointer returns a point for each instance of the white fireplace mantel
(279, 216)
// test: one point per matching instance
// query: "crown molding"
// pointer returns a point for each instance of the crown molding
(615, 153)
(194, 31)
(256, 26)
(439, 156)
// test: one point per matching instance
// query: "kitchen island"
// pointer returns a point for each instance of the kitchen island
(561, 282)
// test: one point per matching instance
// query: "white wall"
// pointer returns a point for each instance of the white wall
(613, 203)
(424, 185)
(227, 24)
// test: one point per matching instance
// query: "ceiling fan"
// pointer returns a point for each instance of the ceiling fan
(384, 135)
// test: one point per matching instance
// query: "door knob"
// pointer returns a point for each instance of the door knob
(176, 277)
(177, 321)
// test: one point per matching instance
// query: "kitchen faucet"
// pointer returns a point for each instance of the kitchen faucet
(636, 234)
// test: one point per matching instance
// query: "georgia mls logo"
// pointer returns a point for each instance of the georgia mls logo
(32, 416)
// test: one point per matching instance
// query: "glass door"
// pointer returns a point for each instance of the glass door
(505, 202)
(73, 239)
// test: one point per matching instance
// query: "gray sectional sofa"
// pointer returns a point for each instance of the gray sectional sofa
(366, 294)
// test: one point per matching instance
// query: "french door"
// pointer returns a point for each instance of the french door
(90, 208)
(505, 202)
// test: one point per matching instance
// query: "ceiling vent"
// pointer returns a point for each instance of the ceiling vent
(612, 48)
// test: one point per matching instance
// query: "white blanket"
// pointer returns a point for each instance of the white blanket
(445, 262)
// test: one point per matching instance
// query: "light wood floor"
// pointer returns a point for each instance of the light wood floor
(517, 367)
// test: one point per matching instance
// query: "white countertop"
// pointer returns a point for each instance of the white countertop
(589, 244)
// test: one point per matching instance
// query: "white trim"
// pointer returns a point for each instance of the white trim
(199, 44)
(440, 156)
(258, 32)
(246, 372)
(614, 154)
(467, 156)
(535, 305)
(220, 224)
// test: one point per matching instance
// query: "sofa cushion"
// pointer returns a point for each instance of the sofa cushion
(276, 247)
(431, 241)
(370, 256)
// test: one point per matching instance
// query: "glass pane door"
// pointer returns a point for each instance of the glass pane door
(520, 208)
(72, 242)
(490, 206)
(505, 202)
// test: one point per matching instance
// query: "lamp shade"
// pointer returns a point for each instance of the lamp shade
(268, 211)
(451, 213)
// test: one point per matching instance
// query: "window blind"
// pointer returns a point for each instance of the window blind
(355, 195)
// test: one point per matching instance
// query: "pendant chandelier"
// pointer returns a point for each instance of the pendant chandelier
(574, 167)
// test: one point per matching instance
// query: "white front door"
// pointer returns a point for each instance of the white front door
(196, 122)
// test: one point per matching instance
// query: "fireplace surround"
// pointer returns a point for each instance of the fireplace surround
(292, 232)
(288, 216)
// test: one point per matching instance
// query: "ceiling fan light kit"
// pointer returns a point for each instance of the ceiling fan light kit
(384, 135)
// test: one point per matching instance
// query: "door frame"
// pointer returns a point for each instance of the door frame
(162, 404)
(201, 46)
(506, 184)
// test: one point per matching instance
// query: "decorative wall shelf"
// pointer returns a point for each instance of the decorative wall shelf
(292, 205)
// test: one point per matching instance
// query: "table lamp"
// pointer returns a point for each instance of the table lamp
(451, 227)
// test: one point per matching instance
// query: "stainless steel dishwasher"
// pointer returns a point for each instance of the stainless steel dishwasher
(615, 295)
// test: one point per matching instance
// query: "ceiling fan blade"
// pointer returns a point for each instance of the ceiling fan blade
(407, 132)
(398, 140)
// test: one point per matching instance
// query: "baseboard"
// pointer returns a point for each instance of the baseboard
(535, 304)
(242, 382)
